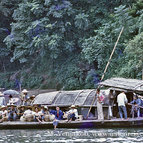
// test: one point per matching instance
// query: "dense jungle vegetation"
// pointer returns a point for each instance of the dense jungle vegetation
(66, 44)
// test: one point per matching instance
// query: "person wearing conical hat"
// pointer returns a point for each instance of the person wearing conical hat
(4, 113)
(21, 111)
(24, 97)
(72, 113)
(12, 115)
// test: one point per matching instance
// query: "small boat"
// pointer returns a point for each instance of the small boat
(114, 123)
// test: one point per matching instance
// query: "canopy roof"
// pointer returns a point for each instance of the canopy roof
(132, 85)
(67, 98)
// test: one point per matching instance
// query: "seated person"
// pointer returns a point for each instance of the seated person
(12, 113)
(21, 111)
(58, 116)
(42, 113)
(58, 113)
(72, 113)
(37, 117)
(136, 103)
(28, 115)
(4, 114)
(48, 117)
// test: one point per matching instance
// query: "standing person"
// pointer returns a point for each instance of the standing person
(24, 97)
(122, 100)
(111, 102)
(136, 103)
(11, 99)
(2, 101)
(100, 99)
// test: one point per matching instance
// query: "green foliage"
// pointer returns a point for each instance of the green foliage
(134, 59)
(65, 44)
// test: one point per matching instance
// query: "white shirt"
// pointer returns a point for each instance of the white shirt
(122, 99)
(73, 111)
(4, 113)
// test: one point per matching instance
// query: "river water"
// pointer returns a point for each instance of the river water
(72, 136)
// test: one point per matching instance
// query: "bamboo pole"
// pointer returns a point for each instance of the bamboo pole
(106, 67)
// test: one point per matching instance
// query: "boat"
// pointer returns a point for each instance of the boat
(83, 100)
(114, 123)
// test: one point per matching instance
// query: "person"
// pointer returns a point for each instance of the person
(122, 100)
(4, 114)
(21, 111)
(72, 114)
(31, 100)
(11, 99)
(58, 116)
(28, 115)
(42, 113)
(25, 97)
(48, 117)
(37, 117)
(100, 99)
(111, 102)
(12, 114)
(136, 104)
(2, 99)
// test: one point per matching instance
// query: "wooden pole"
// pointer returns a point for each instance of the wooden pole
(106, 68)
(142, 73)
(112, 54)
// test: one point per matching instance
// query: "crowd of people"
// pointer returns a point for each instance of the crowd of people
(29, 112)
(122, 101)
(38, 113)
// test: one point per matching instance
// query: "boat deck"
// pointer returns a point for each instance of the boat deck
(131, 122)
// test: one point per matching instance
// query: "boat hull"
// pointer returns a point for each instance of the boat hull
(115, 123)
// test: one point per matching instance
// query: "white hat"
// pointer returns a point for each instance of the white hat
(24, 91)
(9, 105)
(45, 107)
(1, 94)
(72, 106)
(3, 107)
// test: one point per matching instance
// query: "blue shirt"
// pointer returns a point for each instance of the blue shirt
(57, 116)
(138, 101)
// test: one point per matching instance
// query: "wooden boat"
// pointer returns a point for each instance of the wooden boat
(114, 123)
(83, 99)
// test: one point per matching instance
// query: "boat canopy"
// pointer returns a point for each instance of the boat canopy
(129, 85)
(82, 98)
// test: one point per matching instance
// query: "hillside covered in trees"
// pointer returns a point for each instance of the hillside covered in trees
(66, 44)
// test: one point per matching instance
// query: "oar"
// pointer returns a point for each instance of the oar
(106, 68)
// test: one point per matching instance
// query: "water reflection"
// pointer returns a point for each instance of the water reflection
(72, 136)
